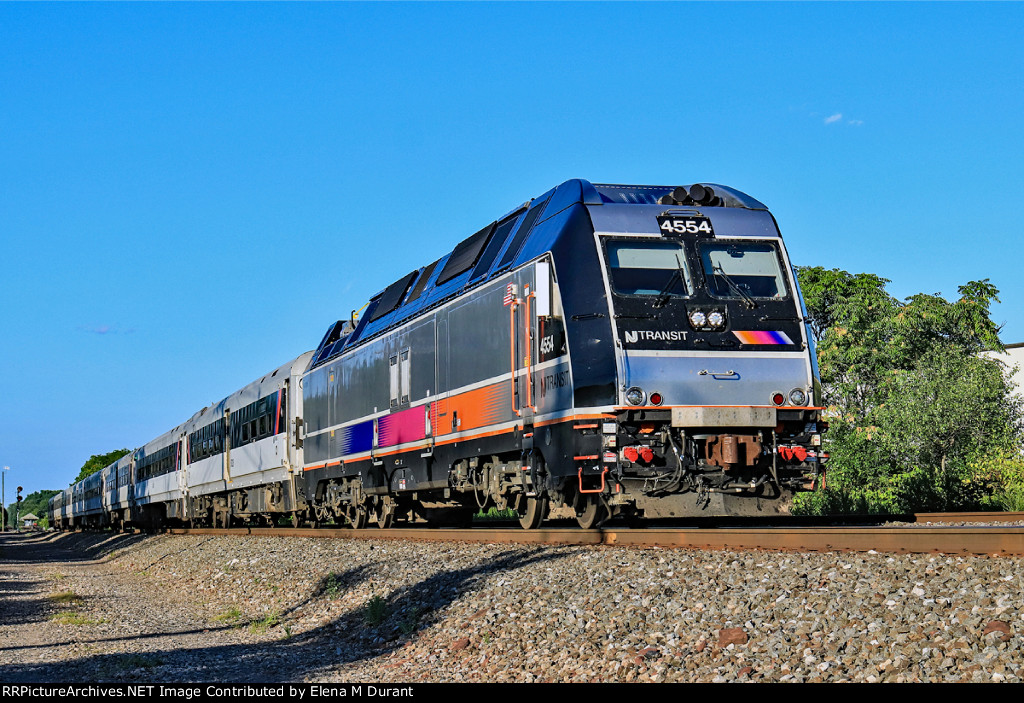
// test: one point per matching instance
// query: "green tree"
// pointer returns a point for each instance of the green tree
(35, 503)
(917, 418)
(98, 462)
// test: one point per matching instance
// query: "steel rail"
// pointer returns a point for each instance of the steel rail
(994, 541)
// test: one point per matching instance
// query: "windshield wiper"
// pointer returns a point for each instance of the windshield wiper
(663, 296)
(733, 286)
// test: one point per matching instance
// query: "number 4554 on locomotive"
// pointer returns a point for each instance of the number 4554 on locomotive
(601, 350)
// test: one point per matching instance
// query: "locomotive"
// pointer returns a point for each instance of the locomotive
(600, 351)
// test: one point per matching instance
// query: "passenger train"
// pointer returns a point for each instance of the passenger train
(599, 351)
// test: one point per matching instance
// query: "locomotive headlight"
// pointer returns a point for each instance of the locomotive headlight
(698, 319)
(716, 319)
(797, 396)
(635, 396)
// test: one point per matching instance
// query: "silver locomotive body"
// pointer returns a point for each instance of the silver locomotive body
(601, 350)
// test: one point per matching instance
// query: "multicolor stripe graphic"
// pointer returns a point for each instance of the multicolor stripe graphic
(405, 426)
(476, 408)
(356, 438)
(762, 337)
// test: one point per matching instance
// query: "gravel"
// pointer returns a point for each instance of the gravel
(101, 608)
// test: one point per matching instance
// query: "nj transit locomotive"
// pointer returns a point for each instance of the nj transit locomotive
(601, 350)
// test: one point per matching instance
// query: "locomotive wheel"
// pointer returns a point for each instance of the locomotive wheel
(533, 513)
(592, 514)
(384, 512)
(357, 517)
(385, 520)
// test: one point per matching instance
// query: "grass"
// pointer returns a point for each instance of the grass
(332, 585)
(231, 616)
(493, 514)
(66, 598)
(69, 617)
(261, 626)
(376, 610)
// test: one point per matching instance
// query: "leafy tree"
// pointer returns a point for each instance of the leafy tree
(98, 462)
(918, 420)
(35, 503)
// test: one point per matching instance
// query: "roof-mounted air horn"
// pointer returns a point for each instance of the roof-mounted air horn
(697, 194)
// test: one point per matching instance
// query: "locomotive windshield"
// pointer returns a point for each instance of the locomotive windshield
(648, 268)
(742, 269)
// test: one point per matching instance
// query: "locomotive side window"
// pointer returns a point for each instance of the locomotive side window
(738, 269)
(494, 246)
(421, 282)
(648, 268)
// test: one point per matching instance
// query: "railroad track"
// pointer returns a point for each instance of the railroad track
(996, 538)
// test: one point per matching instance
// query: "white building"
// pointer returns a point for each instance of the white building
(1013, 357)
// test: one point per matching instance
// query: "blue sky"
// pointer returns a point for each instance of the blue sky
(191, 193)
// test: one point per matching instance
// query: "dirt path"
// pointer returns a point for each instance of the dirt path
(66, 615)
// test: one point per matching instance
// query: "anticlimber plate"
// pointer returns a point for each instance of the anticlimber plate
(723, 417)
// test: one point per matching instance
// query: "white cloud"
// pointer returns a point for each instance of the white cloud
(856, 123)
(834, 118)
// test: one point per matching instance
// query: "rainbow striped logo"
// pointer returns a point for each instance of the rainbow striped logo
(762, 337)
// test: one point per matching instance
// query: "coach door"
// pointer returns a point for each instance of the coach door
(182, 467)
